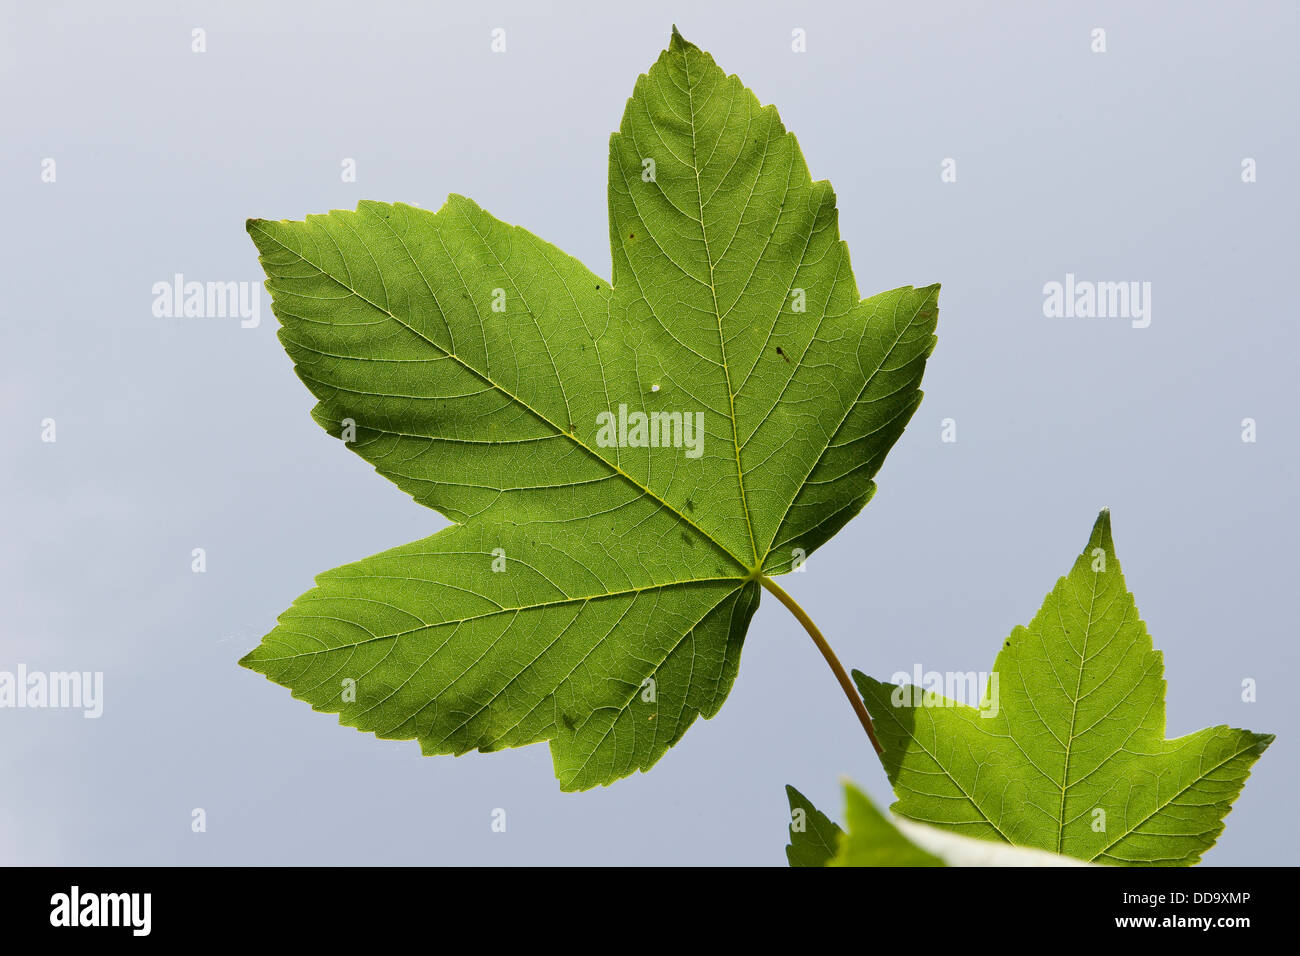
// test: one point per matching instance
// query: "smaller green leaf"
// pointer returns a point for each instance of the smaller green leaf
(1068, 752)
(813, 835)
(872, 840)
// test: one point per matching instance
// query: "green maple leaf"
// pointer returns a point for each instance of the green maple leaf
(593, 593)
(1073, 758)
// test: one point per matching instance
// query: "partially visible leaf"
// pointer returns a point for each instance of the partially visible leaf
(813, 836)
(1070, 754)
(594, 594)
(957, 850)
(876, 840)
(872, 840)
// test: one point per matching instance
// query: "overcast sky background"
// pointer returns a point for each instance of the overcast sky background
(181, 433)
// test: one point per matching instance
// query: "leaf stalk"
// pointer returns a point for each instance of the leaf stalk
(855, 699)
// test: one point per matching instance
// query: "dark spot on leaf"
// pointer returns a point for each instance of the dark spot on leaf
(690, 504)
(567, 721)
(631, 235)
(686, 537)
(782, 354)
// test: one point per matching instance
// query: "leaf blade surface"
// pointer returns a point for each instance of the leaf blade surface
(593, 593)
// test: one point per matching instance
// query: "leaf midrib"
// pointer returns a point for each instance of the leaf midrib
(1074, 714)
(848, 410)
(580, 599)
(717, 312)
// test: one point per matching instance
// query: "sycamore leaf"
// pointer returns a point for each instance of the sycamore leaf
(624, 462)
(1067, 752)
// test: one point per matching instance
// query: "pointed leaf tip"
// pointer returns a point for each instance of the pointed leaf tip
(1101, 536)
